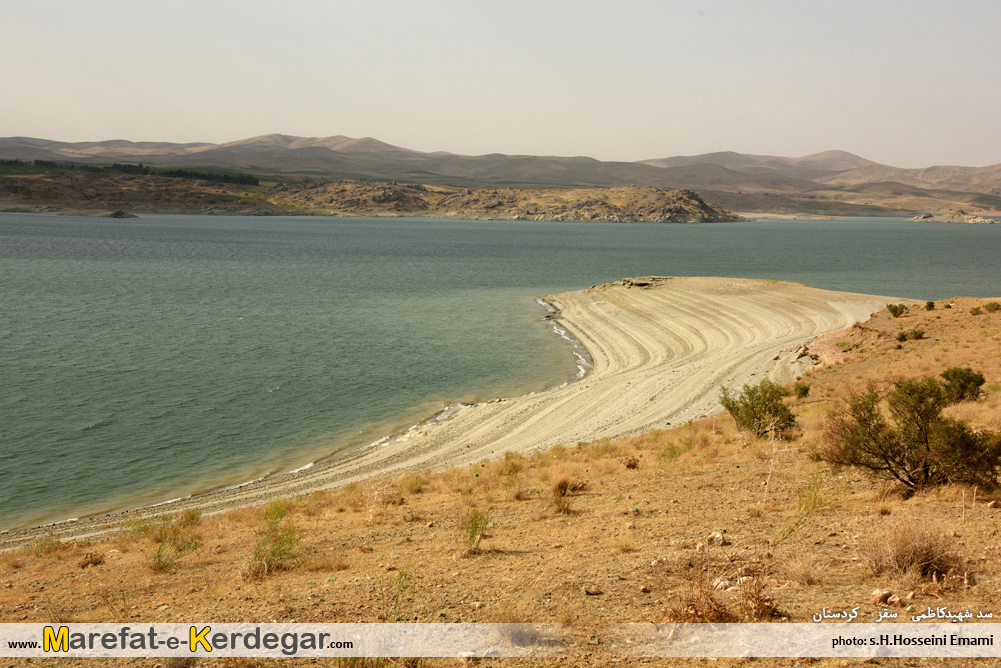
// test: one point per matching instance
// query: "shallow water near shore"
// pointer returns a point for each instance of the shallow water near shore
(151, 358)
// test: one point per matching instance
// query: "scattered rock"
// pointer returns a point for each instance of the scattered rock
(593, 590)
(894, 601)
(391, 567)
(644, 589)
(478, 605)
(717, 538)
(993, 504)
(879, 596)
(722, 584)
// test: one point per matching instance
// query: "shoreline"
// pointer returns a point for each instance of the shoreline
(659, 349)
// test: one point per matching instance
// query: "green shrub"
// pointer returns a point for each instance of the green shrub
(801, 390)
(929, 305)
(975, 310)
(278, 547)
(759, 408)
(912, 334)
(896, 310)
(992, 307)
(920, 448)
(962, 384)
(948, 306)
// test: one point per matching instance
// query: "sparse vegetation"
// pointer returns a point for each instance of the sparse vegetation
(278, 547)
(47, 545)
(922, 448)
(992, 307)
(759, 408)
(811, 500)
(173, 543)
(929, 305)
(904, 548)
(962, 384)
(801, 390)
(471, 530)
(975, 310)
(638, 540)
(896, 310)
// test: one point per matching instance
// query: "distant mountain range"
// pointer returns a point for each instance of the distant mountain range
(834, 176)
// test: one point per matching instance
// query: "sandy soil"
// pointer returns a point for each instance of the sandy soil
(661, 348)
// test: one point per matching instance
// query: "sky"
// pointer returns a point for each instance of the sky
(910, 84)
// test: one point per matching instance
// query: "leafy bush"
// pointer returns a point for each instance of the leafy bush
(992, 307)
(896, 310)
(801, 390)
(921, 448)
(962, 384)
(759, 408)
(975, 310)
(929, 305)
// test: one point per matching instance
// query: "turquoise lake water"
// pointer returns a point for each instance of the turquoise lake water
(146, 359)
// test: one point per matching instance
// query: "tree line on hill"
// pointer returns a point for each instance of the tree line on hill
(140, 169)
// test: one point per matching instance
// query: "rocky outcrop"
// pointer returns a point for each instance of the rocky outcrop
(957, 217)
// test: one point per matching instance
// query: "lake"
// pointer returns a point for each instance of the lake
(150, 358)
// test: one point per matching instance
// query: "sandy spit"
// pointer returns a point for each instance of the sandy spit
(660, 347)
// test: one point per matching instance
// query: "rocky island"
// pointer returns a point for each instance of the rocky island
(103, 194)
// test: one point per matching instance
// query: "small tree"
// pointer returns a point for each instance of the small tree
(896, 310)
(962, 384)
(922, 448)
(759, 408)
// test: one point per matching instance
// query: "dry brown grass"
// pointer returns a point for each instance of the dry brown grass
(804, 569)
(328, 561)
(12, 560)
(901, 547)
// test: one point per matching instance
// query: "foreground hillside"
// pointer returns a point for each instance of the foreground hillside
(583, 535)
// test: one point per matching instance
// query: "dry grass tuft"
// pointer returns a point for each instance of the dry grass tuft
(10, 561)
(901, 548)
(328, 562)
(804, 570)
(697, 603)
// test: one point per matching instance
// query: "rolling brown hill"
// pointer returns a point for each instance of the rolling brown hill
(826, 182)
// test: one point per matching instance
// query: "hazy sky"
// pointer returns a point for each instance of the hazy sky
(910, 83)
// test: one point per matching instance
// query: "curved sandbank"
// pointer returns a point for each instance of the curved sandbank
(660, 348)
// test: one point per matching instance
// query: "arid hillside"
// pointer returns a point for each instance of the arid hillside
(831, 182)
(103, 193)
(697, 522)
